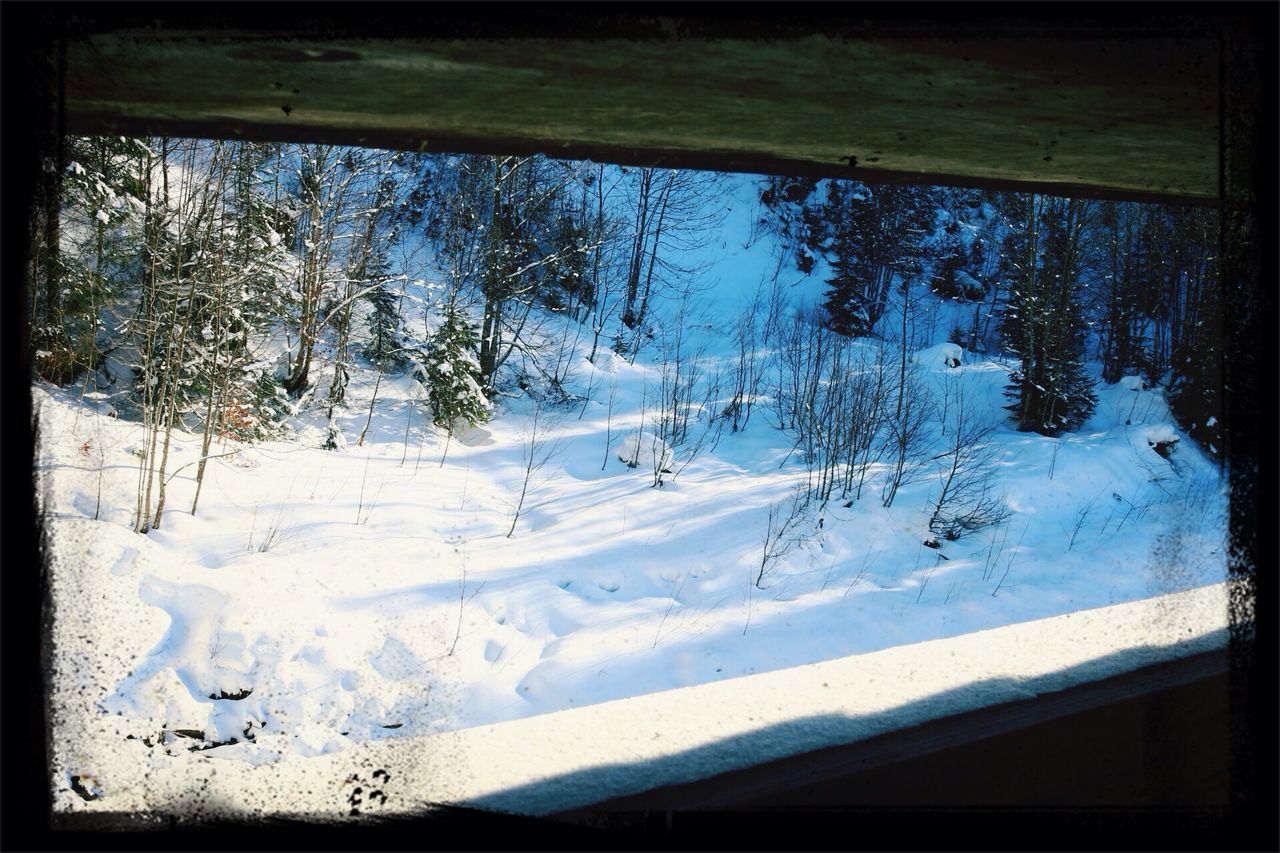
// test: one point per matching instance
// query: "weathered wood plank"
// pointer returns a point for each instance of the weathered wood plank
(1128, 706)
(1132, 114)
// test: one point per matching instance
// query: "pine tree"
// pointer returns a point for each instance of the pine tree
(1042, 319)
(956, 250)
(97, 256)
(384, 346)
(874, 235)
(1198, 369)
(454, 392)
(789, 213)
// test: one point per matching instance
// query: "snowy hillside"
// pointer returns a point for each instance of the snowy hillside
(577, 547)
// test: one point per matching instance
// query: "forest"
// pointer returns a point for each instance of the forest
(180, 260)
(508, 434)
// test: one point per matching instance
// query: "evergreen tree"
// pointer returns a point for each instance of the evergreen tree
(251, 403)
(1198, 369)
(453, 377)
(1042, 318)
(384, 346)
(956, 250)
(97, 257)
(1125, 257)
(873, 235)
(790, 213)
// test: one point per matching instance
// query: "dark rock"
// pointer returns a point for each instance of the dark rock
(80, 789)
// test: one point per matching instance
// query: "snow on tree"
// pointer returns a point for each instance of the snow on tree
(96, 254)
(453, 374)
(873, 235)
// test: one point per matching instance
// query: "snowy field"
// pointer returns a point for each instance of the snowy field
(321, 600)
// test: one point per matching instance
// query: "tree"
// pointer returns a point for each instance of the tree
(674, 215)
(872, 235)
(600, 294)
(96, 257)
(1198, 369)
(365, 269)
(1042, 317)
(1159, 309)
(1129, 261)
(324, 176)
(965, 501)
(789, 213)
(182, 278)
(905, 434)
(538, 449)
(454, 392)
(495, 222)
(956, 251)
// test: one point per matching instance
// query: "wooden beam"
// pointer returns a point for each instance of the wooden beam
(1063, 111)
(993, 743)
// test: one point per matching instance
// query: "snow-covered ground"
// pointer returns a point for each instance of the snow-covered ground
(320, 600)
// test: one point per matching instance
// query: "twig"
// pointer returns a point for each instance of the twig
(861, 571)
(674, 592)
(1081, 515)
(462, 599)
(360, 506)
(1009, 564)
(201, 459)
(827, 579)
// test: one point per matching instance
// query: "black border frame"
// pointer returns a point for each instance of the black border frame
(32, 117)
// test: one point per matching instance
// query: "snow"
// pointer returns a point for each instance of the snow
(967, 281)
(1160, 434)
(369, 610)
(579, 756)
(946, 355)
(643, 449)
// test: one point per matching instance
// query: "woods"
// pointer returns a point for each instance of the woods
(221, 286)
(378, 430)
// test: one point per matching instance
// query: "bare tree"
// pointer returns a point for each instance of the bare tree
(373, 195)
(830, 393)
(674, 214)
(749, 333)
(778, 537)
(906, 434)
(556, 359)
(608, 423)
(539, 448)
(965, 501)
(865, 415)
(324, 181)
(519, 194)
(179, 246)
(602, 296)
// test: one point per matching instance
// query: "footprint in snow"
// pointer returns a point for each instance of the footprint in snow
(562, 624)
(395, 661)
(126, 561)
(492, 650)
